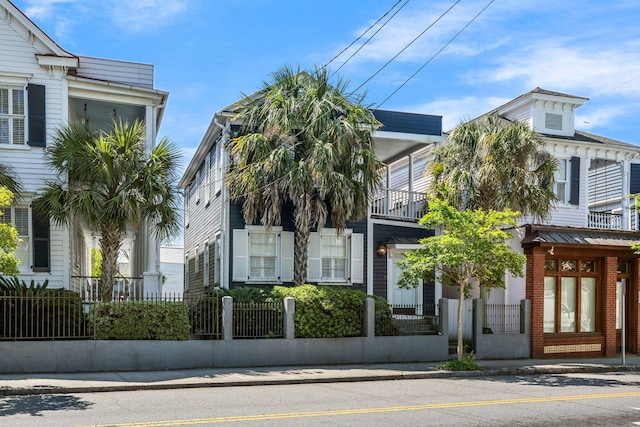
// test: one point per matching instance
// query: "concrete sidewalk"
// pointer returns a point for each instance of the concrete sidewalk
(24, 384)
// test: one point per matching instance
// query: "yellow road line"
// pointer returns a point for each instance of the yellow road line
(262, 417)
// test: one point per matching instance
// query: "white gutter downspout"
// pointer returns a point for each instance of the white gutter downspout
(224, 209)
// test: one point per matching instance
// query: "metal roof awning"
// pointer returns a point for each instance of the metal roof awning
(549, 235)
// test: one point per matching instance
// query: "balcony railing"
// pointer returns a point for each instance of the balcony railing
(399, 204)
(605, 220)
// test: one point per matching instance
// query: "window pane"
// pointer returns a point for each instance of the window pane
(569, 265)
(623, 267)
(263, 244)
(619, 289)
(549, 304)
(334, 257)
(550, 264)
(5, 218)
(4, 130)
(21, 221)
(588, 304)
(589, 266)
(263, 267)
(568, 304)
(18, 131)
(4, 101)
(18, 101)
(334, 246)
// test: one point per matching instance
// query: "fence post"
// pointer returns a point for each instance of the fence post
(227, 318)
(525, 316)
(444, 317)
(289, 311)
(477, 322)
(369, 317)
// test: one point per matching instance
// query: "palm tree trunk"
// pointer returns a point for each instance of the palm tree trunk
(110, 242)
(302, 219)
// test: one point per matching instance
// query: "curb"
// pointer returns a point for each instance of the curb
(436, 374)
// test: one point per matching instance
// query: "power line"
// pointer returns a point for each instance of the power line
(372, 36)
(362, 35)
(435, 55)
(407, 46)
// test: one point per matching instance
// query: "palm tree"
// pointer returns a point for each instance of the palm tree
(308, 143)
(495, 164)
(113, 183)
(8, 180)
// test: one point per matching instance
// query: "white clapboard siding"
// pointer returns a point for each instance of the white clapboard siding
(467, 319)
(132, 73)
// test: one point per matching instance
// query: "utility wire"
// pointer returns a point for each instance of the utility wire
(372, 36)
(435, 55)
(361, 35)
(407, 46)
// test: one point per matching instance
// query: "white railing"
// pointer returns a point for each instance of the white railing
(124, 289)
(605, 220)
(399, 204)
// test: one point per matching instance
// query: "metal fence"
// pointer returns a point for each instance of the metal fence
(258, 320)
(408, 319)
(503, 318)
(124, 288)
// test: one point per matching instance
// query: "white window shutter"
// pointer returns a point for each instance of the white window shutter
(314, 260)
(286, 256)
(240, 255)
(357, 258)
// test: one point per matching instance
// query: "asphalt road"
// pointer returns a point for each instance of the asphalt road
(608, 399)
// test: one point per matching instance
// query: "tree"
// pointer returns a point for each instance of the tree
(495, 164)
(114, 182)
(308, 143)
(8, 238)
(472, 245)
(9, 181)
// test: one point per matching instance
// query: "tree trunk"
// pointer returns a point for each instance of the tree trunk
(302, 219)
(110, 242)
(460, 348)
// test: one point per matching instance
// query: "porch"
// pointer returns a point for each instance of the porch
(399, 205)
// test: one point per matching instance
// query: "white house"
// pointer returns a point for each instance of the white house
(42, 88)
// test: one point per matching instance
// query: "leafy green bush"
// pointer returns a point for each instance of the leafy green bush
(34, 311)
(205, 316)
(140, 320)
(467, 363)
(328, 311)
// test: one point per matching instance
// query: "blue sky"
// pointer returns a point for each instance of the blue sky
(207, 53)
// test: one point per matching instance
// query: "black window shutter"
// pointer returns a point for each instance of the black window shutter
(574, 197)
(40, 241)
(36, 120)
(634, 184)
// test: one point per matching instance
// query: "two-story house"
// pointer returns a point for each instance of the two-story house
(42, 88)
(580, 264)
(222, 251)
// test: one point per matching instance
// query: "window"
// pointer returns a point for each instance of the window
(212, 171)
(570, 291)
(186, 271)
(262, 255)
(216, 261)
(19, 217)
(12, 116)
(335, 258)
(205, 265)
(553, 121)
(561, 181)
(196, 267)
(207, 180)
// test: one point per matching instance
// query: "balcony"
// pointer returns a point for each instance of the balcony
(399, 205)
(613, 221)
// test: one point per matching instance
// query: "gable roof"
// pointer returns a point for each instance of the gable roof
(52, 48)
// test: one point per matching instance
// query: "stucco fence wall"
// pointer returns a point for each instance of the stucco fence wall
(116, 355)
(502, 346)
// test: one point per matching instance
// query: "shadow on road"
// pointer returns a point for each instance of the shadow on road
(37, 405)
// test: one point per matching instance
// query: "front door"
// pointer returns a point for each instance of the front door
(397, 296)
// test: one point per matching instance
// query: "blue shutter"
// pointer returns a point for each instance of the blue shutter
(36, 120)
(574, 197)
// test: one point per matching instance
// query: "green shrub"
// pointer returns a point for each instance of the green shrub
(328, 311)
(34, 311)
(467, 363)
(205, 316)
(140, 320)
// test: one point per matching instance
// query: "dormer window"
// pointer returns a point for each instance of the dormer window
(553, 121)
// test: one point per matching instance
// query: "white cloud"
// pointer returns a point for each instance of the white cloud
(145, 15)
(43, 9)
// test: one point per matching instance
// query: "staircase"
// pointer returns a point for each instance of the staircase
(426, 325)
